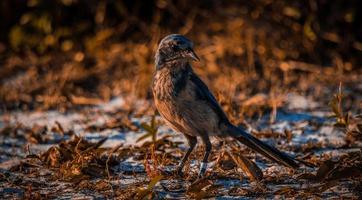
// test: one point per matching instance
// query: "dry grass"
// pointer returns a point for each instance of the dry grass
(243, 55)
(252, 58)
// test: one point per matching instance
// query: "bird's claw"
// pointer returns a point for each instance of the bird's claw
(179, 172)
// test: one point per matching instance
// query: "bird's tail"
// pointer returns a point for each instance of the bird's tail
(260, 147)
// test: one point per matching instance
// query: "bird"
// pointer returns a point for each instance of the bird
(187, 105)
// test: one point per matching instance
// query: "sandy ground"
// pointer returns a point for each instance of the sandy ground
(312, 137)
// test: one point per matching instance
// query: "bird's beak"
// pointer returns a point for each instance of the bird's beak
(192, 55)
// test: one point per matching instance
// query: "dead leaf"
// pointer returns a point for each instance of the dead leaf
(142, 193)
(248, 166)
(195, 190)
(347, 172)
(324, 170)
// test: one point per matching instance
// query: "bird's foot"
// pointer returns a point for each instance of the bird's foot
(166, 172)
(200, 181)
(179, 172)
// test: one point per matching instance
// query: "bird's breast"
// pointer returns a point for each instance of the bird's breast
(169, 84)
(180, 107)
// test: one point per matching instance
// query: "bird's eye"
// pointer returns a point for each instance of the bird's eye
(175, 48)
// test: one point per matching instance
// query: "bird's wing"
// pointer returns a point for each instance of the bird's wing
(203, 93)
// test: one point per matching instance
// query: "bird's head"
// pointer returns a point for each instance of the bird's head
(175, 47)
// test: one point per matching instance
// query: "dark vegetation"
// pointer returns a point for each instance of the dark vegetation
(55, 51)
(72, 55)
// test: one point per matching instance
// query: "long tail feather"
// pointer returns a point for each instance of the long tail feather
(260, 147)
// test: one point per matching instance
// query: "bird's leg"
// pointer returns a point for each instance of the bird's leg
(192, 143)
(208, 147)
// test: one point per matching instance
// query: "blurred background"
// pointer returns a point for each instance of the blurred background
(67, 53)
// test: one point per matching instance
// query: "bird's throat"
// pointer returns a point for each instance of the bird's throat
(171, 79)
